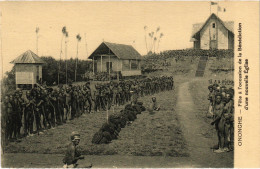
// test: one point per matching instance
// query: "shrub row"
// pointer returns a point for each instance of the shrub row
(110, 130)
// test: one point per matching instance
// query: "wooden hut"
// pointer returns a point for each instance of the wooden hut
(112, 57)
(28, 70)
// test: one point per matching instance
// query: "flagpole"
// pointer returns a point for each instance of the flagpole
(209, 26)
(217, 25)
(209, 8)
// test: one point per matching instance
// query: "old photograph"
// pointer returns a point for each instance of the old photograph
(118, 84)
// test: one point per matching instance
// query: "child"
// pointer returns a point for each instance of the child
(72, 155)
(154, 106)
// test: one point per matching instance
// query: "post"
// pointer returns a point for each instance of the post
(130, 64)
(109, 66)
(101, 64)
(209, 25)
(93, 60)
(117, 70)
(76, 63)
(217, 27)
(66, 62)
(107, 112)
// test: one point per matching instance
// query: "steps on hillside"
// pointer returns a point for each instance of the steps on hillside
(201, 66)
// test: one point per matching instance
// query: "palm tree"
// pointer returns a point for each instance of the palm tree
(66, 37)
(63, 33)
(155, 39)
(151, 36)
(78, 37)
(37, 31)
(145, 28)
(161, 35)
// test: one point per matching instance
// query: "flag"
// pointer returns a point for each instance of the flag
(221, 9)
(213, 3)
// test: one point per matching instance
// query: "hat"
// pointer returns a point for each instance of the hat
(75, 135)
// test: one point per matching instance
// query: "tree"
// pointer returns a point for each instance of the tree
(78, 37)
(145, 28)
(161, 35)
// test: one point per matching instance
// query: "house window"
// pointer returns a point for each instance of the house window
(213, 25)
(126, 65)
(134, 64)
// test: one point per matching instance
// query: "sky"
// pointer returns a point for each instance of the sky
(116, 22)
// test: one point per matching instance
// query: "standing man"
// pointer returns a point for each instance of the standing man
(29, 114)
(211, 98)
(219, 122)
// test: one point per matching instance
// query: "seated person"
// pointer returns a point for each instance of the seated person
(154, 106)
(72, 155)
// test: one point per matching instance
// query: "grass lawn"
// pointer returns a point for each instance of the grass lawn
(156, 134)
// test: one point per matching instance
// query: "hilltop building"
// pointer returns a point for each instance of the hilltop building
(213, 34)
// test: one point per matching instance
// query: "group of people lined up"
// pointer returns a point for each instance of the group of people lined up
(48, 107)
(221, 109)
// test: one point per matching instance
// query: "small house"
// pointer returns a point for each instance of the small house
(119, 58)
(28, 70)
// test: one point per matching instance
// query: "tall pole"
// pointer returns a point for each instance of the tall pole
(109, 67)
(209, 27)
(66, 61)
(109, 64)
(60, 60)
(93, 62)
(2, 75)
(76, 62)
(86, 46)
(217, 26)
(37, 43)
(101, 64)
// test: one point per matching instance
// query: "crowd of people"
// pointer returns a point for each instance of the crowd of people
(221, 109)
(42, 108)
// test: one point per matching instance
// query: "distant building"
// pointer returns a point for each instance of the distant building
(213, 34)
(28, 69)
(112, 57)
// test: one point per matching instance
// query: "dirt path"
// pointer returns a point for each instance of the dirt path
(198, 145)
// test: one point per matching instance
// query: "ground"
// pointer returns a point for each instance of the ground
(179, 135)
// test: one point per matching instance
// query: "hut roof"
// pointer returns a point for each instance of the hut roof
(28, 57)
(229, 25)
(120, 50)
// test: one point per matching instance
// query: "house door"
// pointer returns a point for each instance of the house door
(213, 44)
(109, 65)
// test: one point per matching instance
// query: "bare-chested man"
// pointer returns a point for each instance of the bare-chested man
(211, 98)
(228, 115)
(219, 121)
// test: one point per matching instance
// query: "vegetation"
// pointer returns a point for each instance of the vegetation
(50, 73)
(184, 60)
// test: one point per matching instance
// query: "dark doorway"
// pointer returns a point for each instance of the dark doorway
(213, 44)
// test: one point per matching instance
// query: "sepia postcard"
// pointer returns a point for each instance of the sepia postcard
(130, 84)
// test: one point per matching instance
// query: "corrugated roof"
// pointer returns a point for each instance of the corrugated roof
(28, 57)
(198, 26)
(120, 50)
